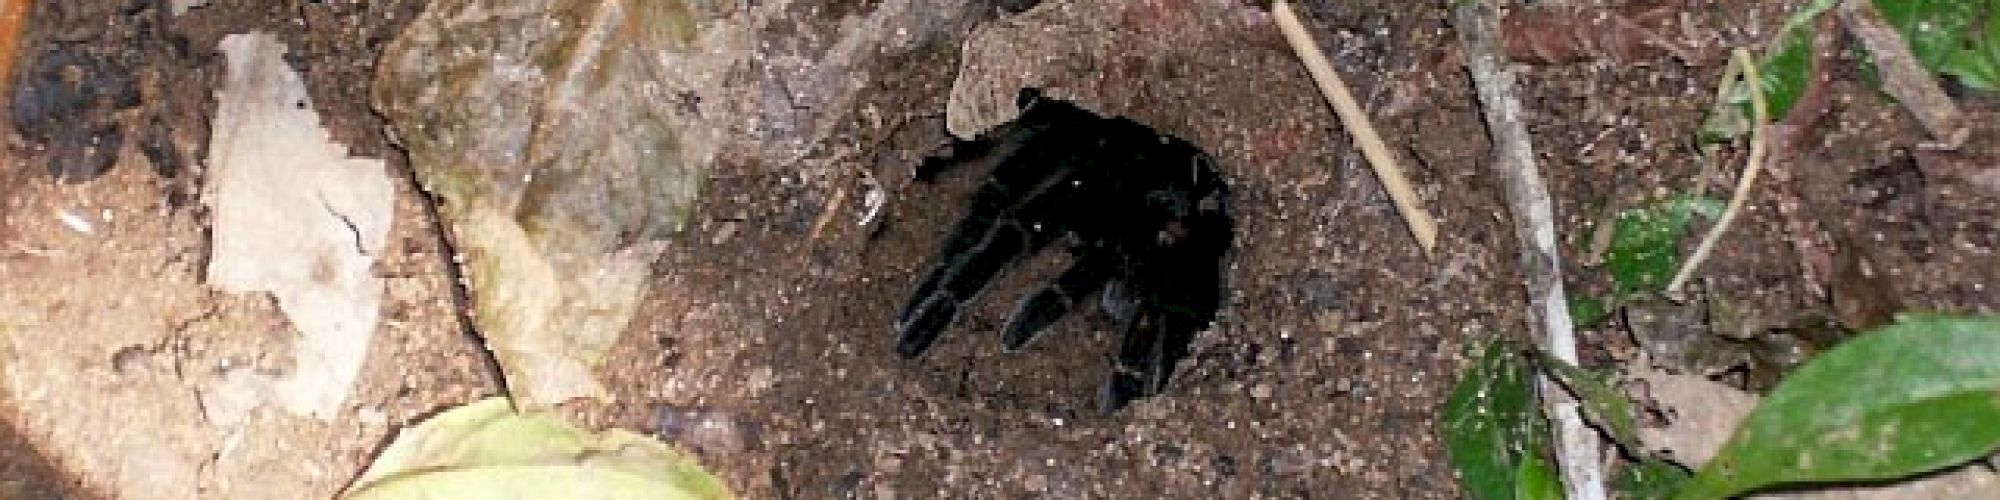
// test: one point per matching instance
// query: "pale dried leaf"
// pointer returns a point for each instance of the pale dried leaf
(294, 216)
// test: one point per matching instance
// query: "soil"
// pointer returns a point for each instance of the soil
(765, 345)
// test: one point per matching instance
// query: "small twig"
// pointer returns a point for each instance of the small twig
(1577, 446)
(1601, 236)
(31, 251)
(1355, 120)
(1711, 157)
(1605, 232)
(13, 21)
(1759, 114)
(1902, 76)
(825, 218)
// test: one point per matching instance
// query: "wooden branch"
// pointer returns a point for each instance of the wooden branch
(1760, 114)
(1902, 76)
(13, 20)
(1355, 120)
(1577, 446)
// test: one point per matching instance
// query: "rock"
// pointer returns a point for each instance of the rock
(568, 139)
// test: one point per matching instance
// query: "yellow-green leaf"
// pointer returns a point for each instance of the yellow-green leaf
(1536, 480)
(485, 450)
(1604, 405)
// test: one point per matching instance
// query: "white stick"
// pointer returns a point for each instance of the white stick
(1577, 447)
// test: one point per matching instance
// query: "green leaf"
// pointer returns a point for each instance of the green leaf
(1587, 311)
(1645, 245)
(1934, 29)
(1604, 405)
(1535, 479)
(1901, 400)
(1491, 424)
(1978, 66)
(1953, 37)
(1651, 479)
(1786, 64)
(1786, 68)
(486, 451)
(1945, 36)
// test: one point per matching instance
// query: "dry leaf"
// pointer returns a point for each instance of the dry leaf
(294, 216)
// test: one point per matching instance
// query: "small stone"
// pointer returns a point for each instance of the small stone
(889, 463)
(722, 234)
(1328, 321)
(1036, 483)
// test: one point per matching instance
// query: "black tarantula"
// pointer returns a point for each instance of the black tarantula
(1142, 213)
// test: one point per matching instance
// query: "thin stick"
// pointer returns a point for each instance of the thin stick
(13, 20)
(1356, 122)
(1711, 158)
(1577, 447)
(1902, 76)
(1759, 113)
(825, 218)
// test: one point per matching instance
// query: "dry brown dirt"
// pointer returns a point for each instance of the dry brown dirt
(766, 347)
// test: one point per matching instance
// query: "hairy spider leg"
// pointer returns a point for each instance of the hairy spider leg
(1011, 175)
(1009, 219)
(1171, 290)
(1151, 239)
(1098, 226)
(1156, 339)
(1030, 159)
(1133, 368)
(1039, 310)
(1005, 140)
(1006, 243)
(1117, 303)
(984, 152)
